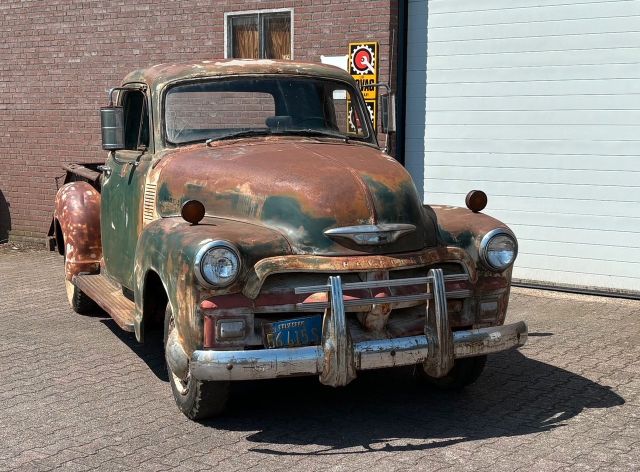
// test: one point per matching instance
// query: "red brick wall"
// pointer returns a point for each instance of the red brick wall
(58, 58)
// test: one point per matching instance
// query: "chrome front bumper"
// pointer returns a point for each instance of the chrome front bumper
(338, 359)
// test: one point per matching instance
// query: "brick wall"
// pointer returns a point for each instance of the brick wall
(58, 58)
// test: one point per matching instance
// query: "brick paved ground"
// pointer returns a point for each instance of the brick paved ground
(76, 394)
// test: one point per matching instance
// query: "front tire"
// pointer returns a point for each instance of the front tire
(465, 372)
(197, 399)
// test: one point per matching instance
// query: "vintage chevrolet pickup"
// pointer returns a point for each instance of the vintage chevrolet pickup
(246, 211)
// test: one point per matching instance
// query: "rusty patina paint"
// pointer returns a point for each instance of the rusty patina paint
(299, 186)
(274, 197)
(168, 247)
(464, 228)
(159, 77)
(77, 211)
(311, 263)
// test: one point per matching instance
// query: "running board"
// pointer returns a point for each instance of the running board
(109, 297)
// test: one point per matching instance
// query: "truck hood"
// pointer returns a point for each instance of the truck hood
(300, 187)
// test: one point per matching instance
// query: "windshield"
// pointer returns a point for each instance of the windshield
(250, 106)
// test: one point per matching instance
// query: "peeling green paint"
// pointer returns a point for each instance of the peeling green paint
(286, 212)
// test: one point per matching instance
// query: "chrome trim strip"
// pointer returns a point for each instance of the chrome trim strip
(383, 227)
(395, 231)
(319, 306)
(381, 283)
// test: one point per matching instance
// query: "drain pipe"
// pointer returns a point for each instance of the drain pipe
(401, 87)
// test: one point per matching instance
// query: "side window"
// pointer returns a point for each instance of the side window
(136, 120)
(265, 35)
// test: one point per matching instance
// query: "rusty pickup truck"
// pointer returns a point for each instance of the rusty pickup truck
(246, 213)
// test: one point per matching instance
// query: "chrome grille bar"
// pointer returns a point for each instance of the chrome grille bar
(381, 283)
(318, 306)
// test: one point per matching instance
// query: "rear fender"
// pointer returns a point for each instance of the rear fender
(77, 219)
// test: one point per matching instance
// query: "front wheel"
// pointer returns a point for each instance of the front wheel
(197, 399)
(465, 371)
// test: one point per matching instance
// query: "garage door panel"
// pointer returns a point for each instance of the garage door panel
(564, 277)
(549, 204)
(419, 142)
(619, 239)
(447, 6)
(554, 221)
(551, 13)
(549, 220)
(596, 252)
(548, 103)
(565, 117)
(613, 178)
(575, 132)
(611, 55)
(538, 73)
(526, 161)
(538, 43)
(533, 28)
(580, 265)
(533, 87)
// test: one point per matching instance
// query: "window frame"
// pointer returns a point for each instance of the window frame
(370, 140)
(228, 43)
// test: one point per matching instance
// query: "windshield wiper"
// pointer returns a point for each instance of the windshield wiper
(315, 132)
(240, 134)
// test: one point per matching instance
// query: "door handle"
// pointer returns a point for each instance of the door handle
(105, 169)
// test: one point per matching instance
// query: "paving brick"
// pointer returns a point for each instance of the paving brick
(76, 396)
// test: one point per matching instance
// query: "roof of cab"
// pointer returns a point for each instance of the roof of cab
(162, 74)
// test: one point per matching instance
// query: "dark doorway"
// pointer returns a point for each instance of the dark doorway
(5, 219)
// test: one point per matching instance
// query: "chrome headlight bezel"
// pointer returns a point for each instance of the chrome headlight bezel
(202, 252)
(484, 248)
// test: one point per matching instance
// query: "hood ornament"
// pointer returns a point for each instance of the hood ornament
(371, 235)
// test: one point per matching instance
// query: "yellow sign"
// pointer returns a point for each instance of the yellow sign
(363, 67)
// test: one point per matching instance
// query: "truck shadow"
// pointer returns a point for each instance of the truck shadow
(388, 410)
(150, 352)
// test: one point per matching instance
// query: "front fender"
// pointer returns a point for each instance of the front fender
(463, 228)
(168, 247)
(77, 211)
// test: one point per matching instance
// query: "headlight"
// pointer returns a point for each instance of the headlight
(498, 249)
(217, 264)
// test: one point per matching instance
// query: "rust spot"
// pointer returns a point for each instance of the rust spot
(77, 210)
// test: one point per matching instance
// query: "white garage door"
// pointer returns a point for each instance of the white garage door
(536, 102)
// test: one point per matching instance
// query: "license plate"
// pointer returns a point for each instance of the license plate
(292, 333)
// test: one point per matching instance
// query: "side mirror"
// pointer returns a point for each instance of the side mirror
(387, 107)
(387, 113)
(112, 123)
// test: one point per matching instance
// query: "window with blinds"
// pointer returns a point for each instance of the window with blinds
(259, 35)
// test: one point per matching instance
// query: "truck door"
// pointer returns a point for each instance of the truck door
(123, 189)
